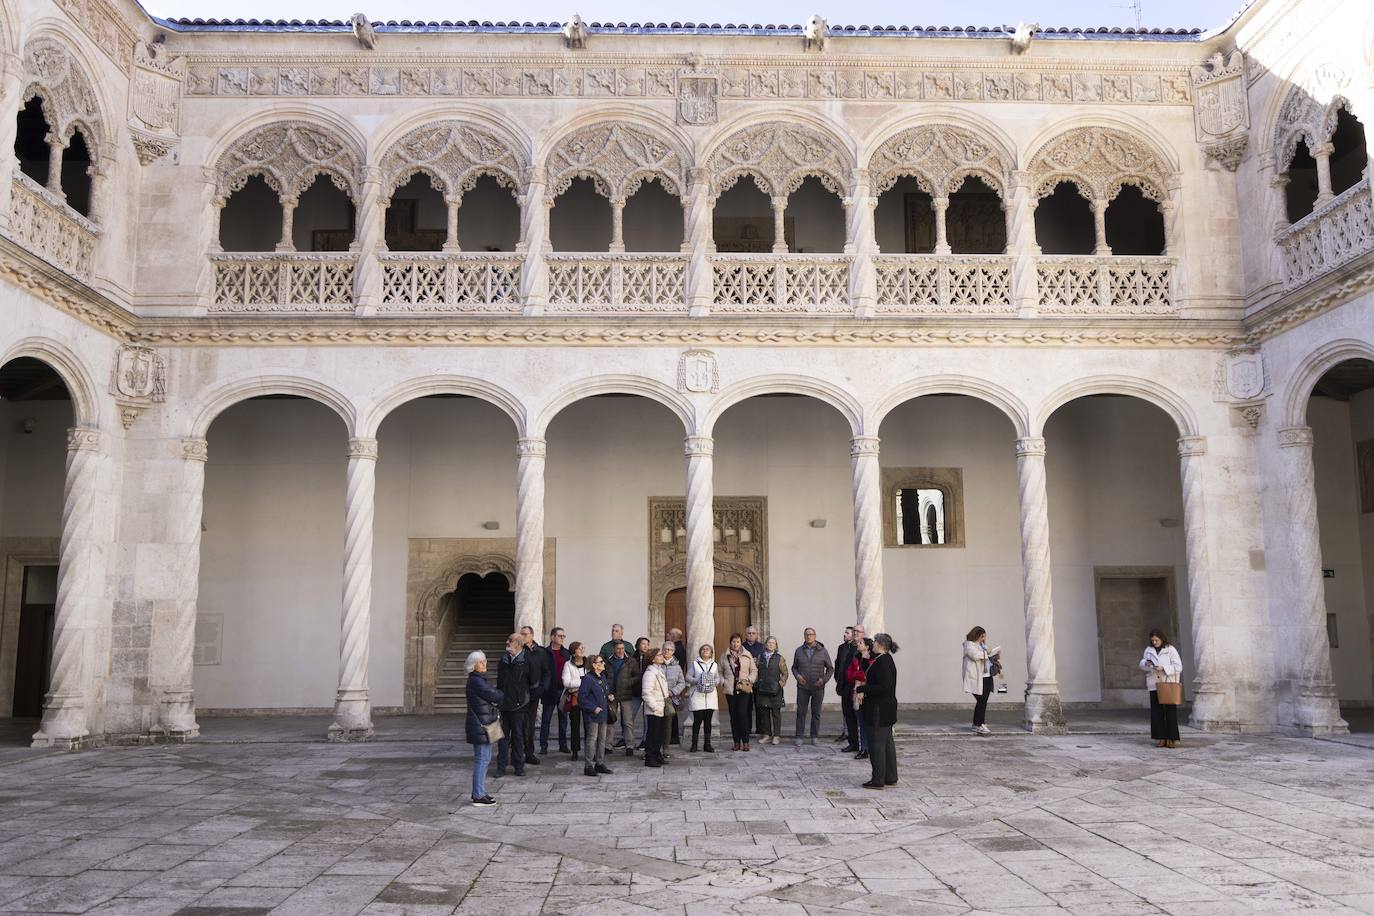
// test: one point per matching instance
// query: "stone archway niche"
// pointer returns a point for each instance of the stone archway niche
(433, 568)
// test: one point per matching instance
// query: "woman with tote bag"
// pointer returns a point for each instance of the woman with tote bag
(1163, 668)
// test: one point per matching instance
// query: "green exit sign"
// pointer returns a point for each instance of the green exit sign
(1328, 574)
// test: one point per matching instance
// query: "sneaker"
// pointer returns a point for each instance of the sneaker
(618, 745)
(776, 740)
(983, 730)
(486, 801)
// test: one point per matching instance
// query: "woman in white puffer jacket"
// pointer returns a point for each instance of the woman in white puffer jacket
(1161, 662)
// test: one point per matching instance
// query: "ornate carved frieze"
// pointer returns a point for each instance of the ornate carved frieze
(618, 157)
(780, 155)
(1099, 160)
(138, 379)
(289, 155)
(106, 27)
(1221, 110)
(696, 91)
(69, 101)
(155, 101)
(938, 156)
(454, 154)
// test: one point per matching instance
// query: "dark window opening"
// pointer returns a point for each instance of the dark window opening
(76, 174)
(31, 141)
(975, 222)
(581, 219)
(920, 516)
(652, 220)
(251, 218)
(324, 218)
(488, 218)
(1064, 222)
(417, 217)
(1135, 225)
(1300, 193)
(818, 214)
(1349, 155)
(742, 220)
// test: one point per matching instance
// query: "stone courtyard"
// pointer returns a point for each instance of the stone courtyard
(1093, 822)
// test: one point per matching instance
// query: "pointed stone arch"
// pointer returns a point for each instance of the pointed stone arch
(1098, 160)
(780, 155)
(939, 157)
(454, 154)
(289, 155)
(618, 157)
(70, 102)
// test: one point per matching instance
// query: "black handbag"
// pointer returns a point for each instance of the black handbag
(994, 667)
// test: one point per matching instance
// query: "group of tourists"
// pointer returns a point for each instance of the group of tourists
(637, 697)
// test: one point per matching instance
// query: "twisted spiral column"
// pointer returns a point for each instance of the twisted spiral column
(352, 707)
(1209, 696)
(1043, 713)
(529, 534)
(701, 520)
(78, 588)
(534, 243)
(177, 712)
(698, 243)
(868, 532)
(1315, 705)
(368, 243)
(1021, 244)
(862, 245)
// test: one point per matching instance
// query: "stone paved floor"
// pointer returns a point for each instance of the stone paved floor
(1086, 823)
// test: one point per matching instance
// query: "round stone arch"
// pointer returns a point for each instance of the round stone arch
(843, 401)
(56, 68)
(86, 403)
(305, 145)
(942, 167)
(221, 398)
(622, 154)
(1167, 400)
(457, 151)
(649, 388)
(1310, 371)
(780, 153)
(1002, 398)
(373, 415)
(1098, 155)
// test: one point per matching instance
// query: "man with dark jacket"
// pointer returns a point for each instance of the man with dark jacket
(752, 642)
(539, 675)
(644, 657)
(880, 712)
(812, 668)
(555, 656)
(843, 656)
(617, 637)
(623, 676)
(517, 686)
(674, 636)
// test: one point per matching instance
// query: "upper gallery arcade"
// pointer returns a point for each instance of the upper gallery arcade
(1058, 331)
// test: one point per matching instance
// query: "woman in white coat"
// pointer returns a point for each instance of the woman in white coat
(978, 675)
(703, 676)
(1161, 662)
(657, 699)
(574, 670)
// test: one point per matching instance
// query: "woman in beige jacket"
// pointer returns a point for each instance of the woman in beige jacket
(738, 674)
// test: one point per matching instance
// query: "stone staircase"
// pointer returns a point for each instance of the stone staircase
(450, 686)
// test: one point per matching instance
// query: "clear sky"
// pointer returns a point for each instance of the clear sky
(1203, 14)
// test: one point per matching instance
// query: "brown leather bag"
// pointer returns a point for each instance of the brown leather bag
(1170, 693)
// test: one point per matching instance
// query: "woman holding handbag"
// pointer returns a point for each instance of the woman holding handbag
(858, 674)
(594, 700)
(1163, 668)
(482, 725)
(738, 675)
(574, 669)
(703, 676)
(981, 666)
(654, 691)
(768, 692)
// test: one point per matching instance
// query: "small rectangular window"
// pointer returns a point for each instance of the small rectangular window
(920, 516)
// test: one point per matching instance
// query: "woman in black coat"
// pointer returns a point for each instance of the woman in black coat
(483, 703)
(879, 710)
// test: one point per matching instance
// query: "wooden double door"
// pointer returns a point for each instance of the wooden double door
(732, 616)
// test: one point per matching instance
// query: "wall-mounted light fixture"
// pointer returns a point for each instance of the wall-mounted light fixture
(818, 523)
(492, 526)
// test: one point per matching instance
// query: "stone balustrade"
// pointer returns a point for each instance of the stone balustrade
(599, 282)
(777, 283)
(44, 224)
(945, 284)
(450, 282)
(1329, 236)
(283, 282)
(1096, 285)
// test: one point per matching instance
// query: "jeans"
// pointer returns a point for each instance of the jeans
(1163, 720)
(811, 697)
(851, 721)
(741, 711)
(629, 714)
(653, 739)
(481, 759)
(512, 746)
(701, 717)
(598, 735)
(882, 754)
(550, 707)
(980, 703)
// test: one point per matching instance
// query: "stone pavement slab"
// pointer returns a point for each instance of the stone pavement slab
(1082, 823)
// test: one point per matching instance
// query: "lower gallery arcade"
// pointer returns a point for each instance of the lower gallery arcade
(452, 498)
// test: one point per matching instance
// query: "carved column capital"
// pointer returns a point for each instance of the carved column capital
(536, 175)
(194, 449)
(1295, 437)
(863, 445)
(362, 448)
(372, 174)
(1030, 447)
(1192, 446)
(81, 439)
(698, 446)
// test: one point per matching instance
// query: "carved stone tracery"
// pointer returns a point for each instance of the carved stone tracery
(289, 155)
(1098, 161)
(939, 157)
(618, 158)
(454, 154)
(780, 156)
(69, 100)
(1309, 113)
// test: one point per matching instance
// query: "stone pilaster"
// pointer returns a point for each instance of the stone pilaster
(177, 703)
(534, 243)
(1210, 710)
(352, 705)
(1043, 713)
(700, 511)
(698, 243)
(1315, 707)
(529, 534)
(866, 476)
(78, 590)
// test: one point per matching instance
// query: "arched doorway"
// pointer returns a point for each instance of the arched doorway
(733, 614)
(477, 615)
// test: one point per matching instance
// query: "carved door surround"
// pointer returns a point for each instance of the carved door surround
(740, 557)
(433, 568)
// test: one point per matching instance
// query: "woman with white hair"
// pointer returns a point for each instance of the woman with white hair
(482, 723)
